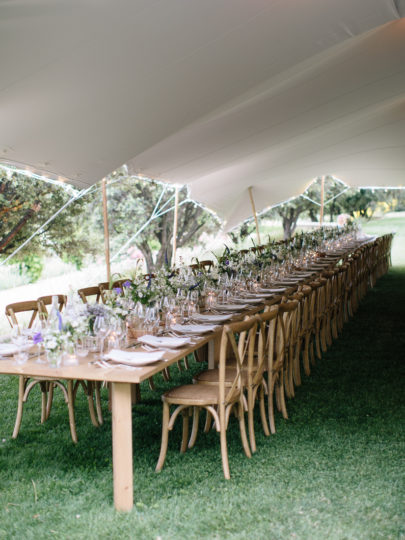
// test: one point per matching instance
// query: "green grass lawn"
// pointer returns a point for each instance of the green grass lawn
(332, 471)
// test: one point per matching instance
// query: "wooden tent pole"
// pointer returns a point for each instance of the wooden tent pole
(252, 202)
(106, 232)
(322, 201)
(175, 221)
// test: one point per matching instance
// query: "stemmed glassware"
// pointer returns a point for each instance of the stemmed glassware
(101, 330)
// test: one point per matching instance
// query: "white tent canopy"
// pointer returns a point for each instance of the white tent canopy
(217, 94)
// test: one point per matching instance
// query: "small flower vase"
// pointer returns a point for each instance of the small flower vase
(54, 358)
(69, 356)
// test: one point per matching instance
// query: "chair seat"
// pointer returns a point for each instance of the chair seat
(211, 376)
(193, 395)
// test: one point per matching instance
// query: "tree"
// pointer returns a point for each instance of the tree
(25, 204)
(131, 202)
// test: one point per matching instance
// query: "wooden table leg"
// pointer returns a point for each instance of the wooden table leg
(213, 352)
(122, 446)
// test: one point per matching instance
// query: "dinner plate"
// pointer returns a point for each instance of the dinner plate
(135, 359)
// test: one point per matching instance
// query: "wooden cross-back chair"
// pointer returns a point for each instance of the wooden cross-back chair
(44, 301)
(290, 310)
(252, 379)
(87, 292)
(218, 399)
(21, 307)
(46, 384)
(275, 354)
(202, 265)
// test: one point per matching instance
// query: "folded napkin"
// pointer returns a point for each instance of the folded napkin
(231, 307)
(167, 342)
(8, 349)
(278, 290)
(134, 358)
(193, 328)
(248, 299)
(202, 317)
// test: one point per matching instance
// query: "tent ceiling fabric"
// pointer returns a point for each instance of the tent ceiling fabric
(217, 94)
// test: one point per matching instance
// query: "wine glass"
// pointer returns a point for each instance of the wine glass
(38, 327)
(101, 330)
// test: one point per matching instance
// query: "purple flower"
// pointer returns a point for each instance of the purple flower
(227, 263)
(117, 290)
(126, 284)
(37, 338)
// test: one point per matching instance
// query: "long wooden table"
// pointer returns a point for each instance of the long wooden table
(121, 380)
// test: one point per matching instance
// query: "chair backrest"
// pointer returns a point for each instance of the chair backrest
(266, 343)
(44, 301)
(202, 265)
(86, 292)
(240, 338)
(21, 307)
(287, 323)
(103, 286)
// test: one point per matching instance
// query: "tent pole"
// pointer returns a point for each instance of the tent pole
(252, 202)
(106, 232)
(322, 201)
(175, 221)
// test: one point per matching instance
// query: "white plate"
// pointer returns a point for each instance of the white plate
(193, 328)
(137, 359)
(206, 317)
(166, 342)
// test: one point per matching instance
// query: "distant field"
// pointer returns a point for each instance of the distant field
(392, 222)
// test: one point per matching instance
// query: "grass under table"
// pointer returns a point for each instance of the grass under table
(333, 470)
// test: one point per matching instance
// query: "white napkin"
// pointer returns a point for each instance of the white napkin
(134, 358)
(231, 307)
(213, 318)
(8, 349)
(278, 290)
(193, 328)
(249, 300)
(167, 342)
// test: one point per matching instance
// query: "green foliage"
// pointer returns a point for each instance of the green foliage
(131, 203)
(31, 265)
(67, 235)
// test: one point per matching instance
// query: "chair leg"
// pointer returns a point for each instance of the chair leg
(166, 374)
(270, 404)
(207, 425)
(194, 431)
(43, 386)
(97, 386)
(305, 355)
(89, 392)
(184, 439)
(49, 402)
(151, 384)
(263, 412)
(20, 405)
(242, 428)
(251, 424)
(71, 409)
(224, 453)
(281, 396)
(165, 437)
(297, 367)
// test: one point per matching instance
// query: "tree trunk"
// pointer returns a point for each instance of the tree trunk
(16, 229)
